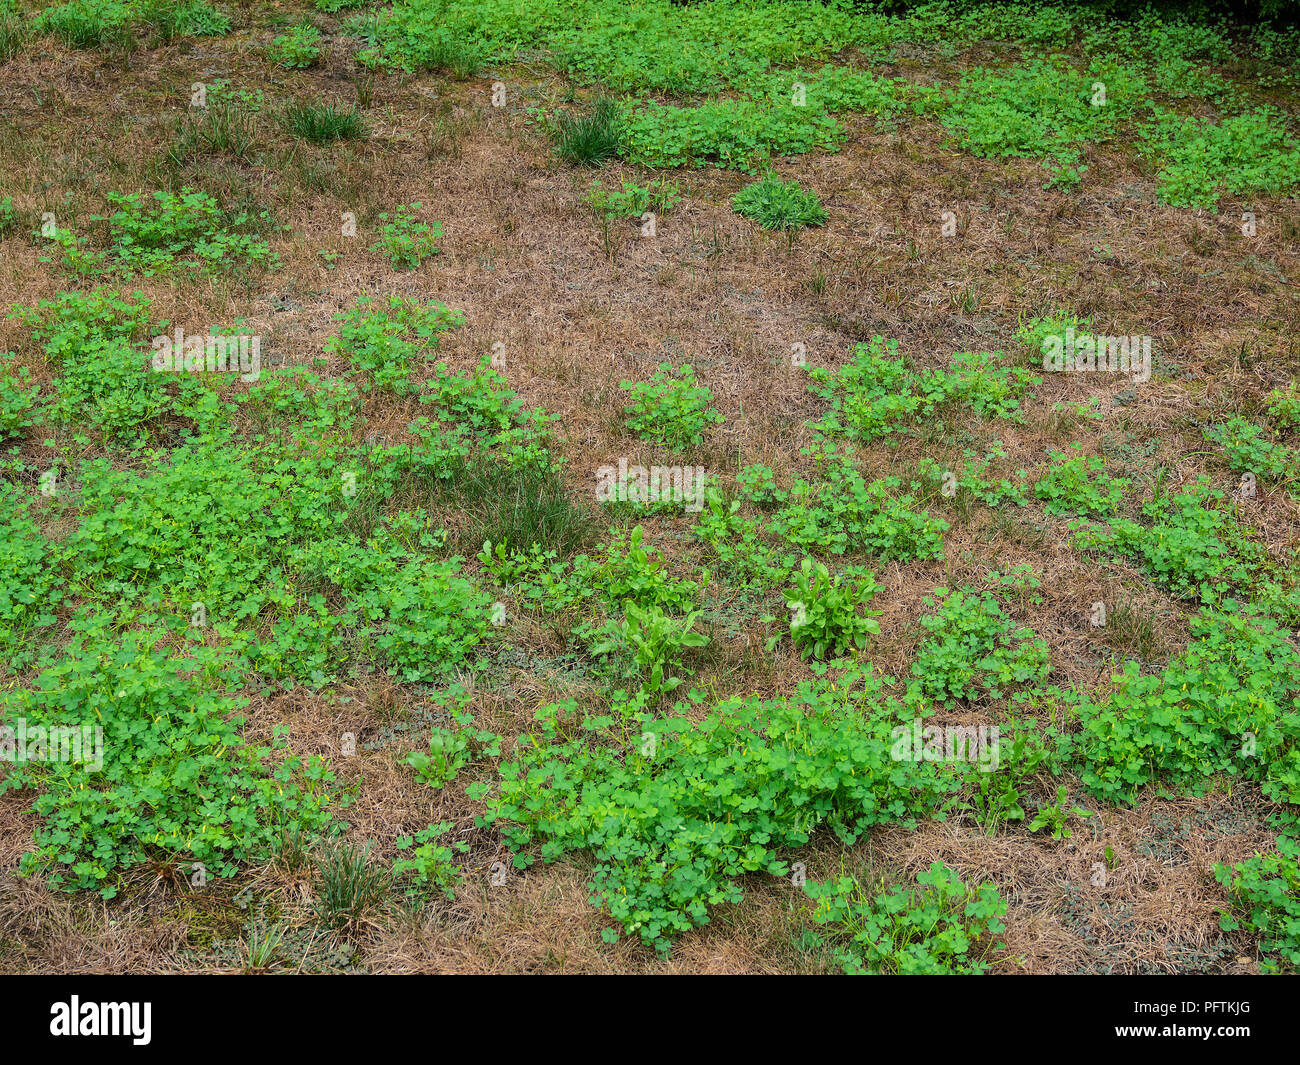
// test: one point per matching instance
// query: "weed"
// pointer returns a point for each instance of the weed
(1043, 109)
(297, 49)
(1199, 160)
(1284, 405)
(1193, 545)
(941, 926)
(1217, 708)
(450, 750)
(736, 134)
(777, 204)
(998, 795)
(746, 558)
(651, 642)
(389, 340)
(430, 865)
(163, 717)
(846, 515)
(184, 18)
(406, 242)
(175, 231)
(17, 400)
(676, 811)
(1078, 485)
(1248, 450)
(876, 392)
(88, 23)
(824, 609)
(1056, 816)
(671, 408)
(1265, 892)
(972, 648)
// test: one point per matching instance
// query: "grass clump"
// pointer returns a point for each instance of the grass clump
(13, 32)
(348, 887)
(525, 504)
(590, 139)
(227, 125)
(323, 123)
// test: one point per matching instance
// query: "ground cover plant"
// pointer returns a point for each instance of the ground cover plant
(774, 204)
(446, 527)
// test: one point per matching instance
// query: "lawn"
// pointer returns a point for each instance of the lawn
(618, 486)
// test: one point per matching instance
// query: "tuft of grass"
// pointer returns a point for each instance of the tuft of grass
(452, 55)
(224, 127)
(348, 887)
(323, 123)
(294, 851)
(13, 34)
(521, 505)
(264, 946)
(1135, 629)
(590, 139)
